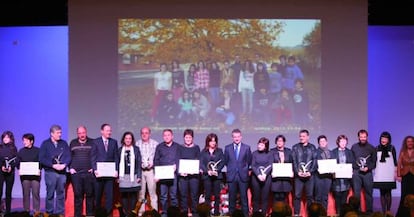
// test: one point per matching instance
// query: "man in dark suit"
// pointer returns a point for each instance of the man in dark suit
(105, 150)
(237, 157)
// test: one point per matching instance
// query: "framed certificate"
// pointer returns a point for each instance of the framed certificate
(282, 170)
(106, 169)
(343, 171)
(29, 169)
(189, 166)
(326, 166)
(164, 172)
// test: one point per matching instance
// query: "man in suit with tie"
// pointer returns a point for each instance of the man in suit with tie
(237, 157)
(105, 150)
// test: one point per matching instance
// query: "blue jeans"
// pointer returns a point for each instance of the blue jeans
(168, 186)
(55, 183)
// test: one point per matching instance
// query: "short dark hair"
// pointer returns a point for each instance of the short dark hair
(387, 135)
(280, 136)
(265, 141)
(322, 137)
(304, 131)
(104, 125)
(341, 137)
(362, 131)
(29, 136)
(188, 132)
(167, 130)
(237, 130)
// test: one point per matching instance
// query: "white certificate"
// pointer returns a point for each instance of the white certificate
(282, 170)
(384, 171)
(189, 166)
(343, 171)
(164, 172)
(29, 169)
(106, 169)
(326, 166)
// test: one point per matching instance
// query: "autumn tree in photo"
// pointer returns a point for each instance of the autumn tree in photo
(161, 40)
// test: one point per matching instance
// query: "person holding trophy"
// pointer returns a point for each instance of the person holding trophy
(365, 161)
(262, 161)
(304, 167)
(55, 156)
(8, 153)
(211, 164)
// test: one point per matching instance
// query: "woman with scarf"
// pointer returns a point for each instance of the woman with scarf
(129, 172)
(386, 164)
(341, 186)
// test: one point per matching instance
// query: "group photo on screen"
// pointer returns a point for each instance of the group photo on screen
(260, 75)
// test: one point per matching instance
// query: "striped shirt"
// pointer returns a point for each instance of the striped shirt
(147, 150)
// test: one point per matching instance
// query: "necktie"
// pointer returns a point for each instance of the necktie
(106, 145)
(236, 151)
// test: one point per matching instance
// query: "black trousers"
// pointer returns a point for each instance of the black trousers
(212, 187)
(104, 185)
(323, 186)
(300, 183)
(340, 199)
(363, 180)
(188, 185)
(83, 186)
(7, 178)
(261, 191)
(238, 186)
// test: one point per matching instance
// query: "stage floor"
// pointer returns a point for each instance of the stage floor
(17, 205)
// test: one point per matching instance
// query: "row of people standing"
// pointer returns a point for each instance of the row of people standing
(79, 159)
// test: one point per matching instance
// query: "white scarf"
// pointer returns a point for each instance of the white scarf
(122, 164)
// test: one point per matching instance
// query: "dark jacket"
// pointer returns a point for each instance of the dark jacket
(238, 166)
(282, 184)
(98, 153)
(206, 158)
(298, 151)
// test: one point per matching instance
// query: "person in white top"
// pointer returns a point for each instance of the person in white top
(147, 147)
(162, 85)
